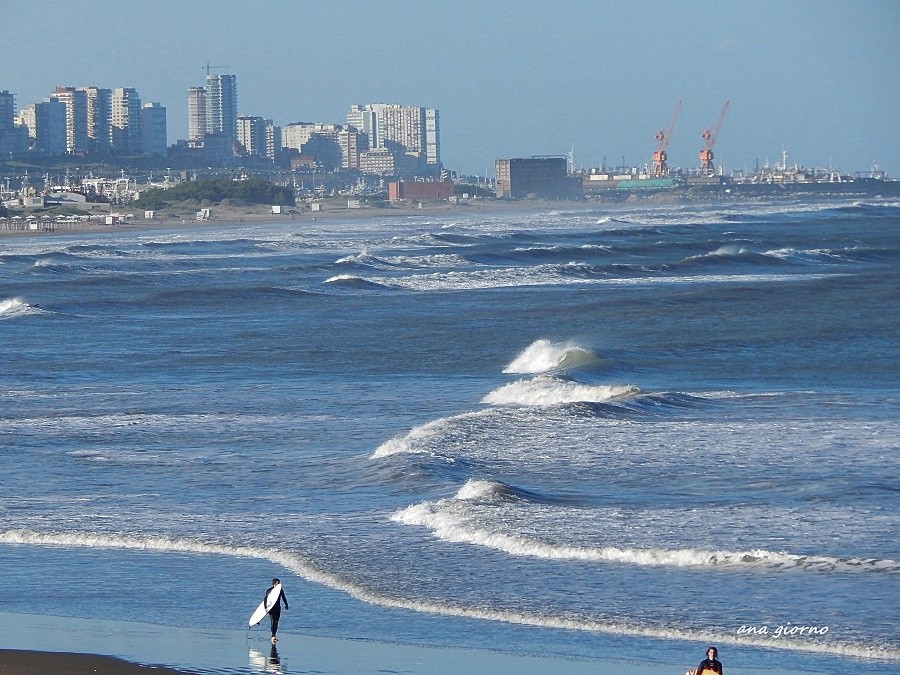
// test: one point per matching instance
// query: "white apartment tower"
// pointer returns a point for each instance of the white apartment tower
(75, 101)
(125, 128)
(221, 105)
(196, 113)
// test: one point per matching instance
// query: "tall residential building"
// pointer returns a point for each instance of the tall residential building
(46, 123)
(126, 133)
(273, 140)
(7, 120)
(251, 134)
(221, 105)
(362, 118)
(99, 117)
(297, 134)
(154, 140)
(433, 138)
(353, 143)
(408, 132)
(196, 113)
(75, 101)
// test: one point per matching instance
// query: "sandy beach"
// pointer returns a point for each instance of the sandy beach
(184, 216)
(20, 662)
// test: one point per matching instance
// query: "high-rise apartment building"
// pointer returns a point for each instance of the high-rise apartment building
(99, 117)
(154, 140)
(362, 118)
(125, 128)
(407, 132)
(196, 113)
(75, 101)
(221, 105)
(273, 140)
(433, 138)
(46, 123)
(7, 120)
(251, 134)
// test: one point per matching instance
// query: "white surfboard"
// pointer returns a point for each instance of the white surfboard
(267, 604)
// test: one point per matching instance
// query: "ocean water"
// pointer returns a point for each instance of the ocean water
(613, 432)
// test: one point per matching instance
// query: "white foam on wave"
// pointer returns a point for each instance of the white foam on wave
(453, 520)
(13, 307)
(543, 355)
(554, 275)
(419, 440)
(546, 391)
(304, 569)
(360, 258)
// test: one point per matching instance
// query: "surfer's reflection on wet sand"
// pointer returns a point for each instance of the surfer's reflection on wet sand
(263, 664)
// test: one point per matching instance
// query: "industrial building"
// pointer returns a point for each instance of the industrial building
(535, 177)
(420, 189)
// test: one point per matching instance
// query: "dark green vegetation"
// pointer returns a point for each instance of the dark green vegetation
(250, 191)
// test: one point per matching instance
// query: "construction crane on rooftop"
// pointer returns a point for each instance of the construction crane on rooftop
(710, 136)
(659, 156)
(209, 67)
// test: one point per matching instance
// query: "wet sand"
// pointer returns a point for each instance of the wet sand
(18, 662)
(49, 645)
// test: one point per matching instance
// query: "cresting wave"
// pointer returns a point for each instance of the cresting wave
(295, 564)
(451, 520)
(543, 355)
(546, 391)
(14, 307)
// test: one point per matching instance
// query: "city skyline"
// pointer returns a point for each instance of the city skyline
(815, 80)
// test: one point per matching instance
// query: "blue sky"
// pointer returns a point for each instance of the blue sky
(819, 79)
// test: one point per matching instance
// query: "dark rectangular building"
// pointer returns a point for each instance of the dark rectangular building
(535, 177)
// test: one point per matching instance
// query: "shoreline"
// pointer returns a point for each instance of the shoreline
(41, 645)
(183, 216)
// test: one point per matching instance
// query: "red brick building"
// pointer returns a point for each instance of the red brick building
(420, 190)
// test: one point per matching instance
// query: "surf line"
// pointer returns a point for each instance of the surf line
(293, 563)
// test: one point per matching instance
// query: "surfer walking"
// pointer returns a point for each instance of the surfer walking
(275, 609)
(710, 664)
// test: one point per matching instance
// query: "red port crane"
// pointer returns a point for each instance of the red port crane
(709, 137)
(659, 156)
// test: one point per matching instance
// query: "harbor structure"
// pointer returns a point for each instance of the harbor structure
(535, 177)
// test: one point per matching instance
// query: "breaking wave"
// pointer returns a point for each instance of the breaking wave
(451, 520)
(543, 355)
(352, 281)
(13, 307)
(546, 390)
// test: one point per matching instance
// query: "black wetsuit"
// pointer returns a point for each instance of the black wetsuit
(715, 665)
(275, 612)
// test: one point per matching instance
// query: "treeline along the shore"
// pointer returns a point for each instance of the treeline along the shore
(250, 191)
